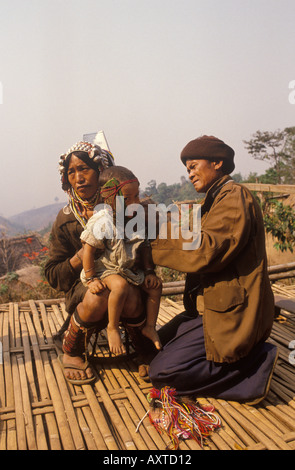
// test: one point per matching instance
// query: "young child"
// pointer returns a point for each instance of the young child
(120, 260)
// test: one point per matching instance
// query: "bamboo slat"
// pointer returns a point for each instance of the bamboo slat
(40, 410)
(273, 188)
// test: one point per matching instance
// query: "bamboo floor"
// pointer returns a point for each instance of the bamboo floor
(39, 410)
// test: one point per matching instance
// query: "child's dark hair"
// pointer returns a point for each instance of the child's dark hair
(119, 172)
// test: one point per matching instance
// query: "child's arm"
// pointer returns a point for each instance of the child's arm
(146, 258)
(95, 285)
(88, 260)
(153, 286)
(151, 280)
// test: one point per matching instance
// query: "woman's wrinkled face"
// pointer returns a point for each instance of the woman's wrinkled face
(203, 173)
(82, 178)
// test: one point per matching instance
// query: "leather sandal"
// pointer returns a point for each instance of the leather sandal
(83, 368)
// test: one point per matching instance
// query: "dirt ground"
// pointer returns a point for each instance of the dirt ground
(29, 275)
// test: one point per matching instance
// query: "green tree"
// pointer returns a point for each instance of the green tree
(151, 188)
(269, 177)
(167, 194)
(237, 177)
(279, 220)
(276, 147)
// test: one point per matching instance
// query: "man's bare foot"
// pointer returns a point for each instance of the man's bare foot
(150, 332)
(76, 374)
(143, 371)
(115, 342)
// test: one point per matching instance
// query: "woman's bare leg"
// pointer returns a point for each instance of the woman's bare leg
(92, 309)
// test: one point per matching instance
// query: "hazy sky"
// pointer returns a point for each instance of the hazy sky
(153, 74)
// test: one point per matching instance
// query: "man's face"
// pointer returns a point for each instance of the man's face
(203, 173)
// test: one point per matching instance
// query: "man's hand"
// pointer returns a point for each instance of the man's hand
(151, 281)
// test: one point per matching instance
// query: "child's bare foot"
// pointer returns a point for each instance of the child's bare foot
(115, 342)
(150, 332)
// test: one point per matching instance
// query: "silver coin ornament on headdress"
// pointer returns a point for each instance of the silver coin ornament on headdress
(102, 158)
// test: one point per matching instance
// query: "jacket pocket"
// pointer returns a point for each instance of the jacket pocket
(222, 299)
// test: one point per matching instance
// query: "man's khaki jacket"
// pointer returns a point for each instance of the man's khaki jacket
(229, 269)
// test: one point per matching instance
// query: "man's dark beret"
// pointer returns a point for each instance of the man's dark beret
(208, 148)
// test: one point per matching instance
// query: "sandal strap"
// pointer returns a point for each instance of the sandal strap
(73, 366)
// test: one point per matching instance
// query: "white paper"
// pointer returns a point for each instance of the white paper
(98, 138)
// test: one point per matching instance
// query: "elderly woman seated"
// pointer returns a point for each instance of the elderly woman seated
(80, 168)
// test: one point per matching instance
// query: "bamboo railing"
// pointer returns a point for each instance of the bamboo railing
(277, 272)
(272, 188)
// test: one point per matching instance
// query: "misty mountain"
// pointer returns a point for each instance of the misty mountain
(8, 228)
(31, 220)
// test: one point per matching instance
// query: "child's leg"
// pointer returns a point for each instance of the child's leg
(152, 311)
(118, 288)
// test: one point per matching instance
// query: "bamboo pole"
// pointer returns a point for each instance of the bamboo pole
(52, 428)
(2, 390)
(269, 435)
(235, 411)
(276, 272)
(284, 275)
(130, 418)
(19, 413)
(243, 437)
(11, 442)
(281, 268)
(94, 428)
(40, 432)
(58, 315)
(88, 433)
(100, 418)
(27, 411)
(68, 404)
(61, 417)
(273, 188)
(115, 417)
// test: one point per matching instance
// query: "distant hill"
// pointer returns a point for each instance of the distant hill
(32, 220)
(8, 228)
